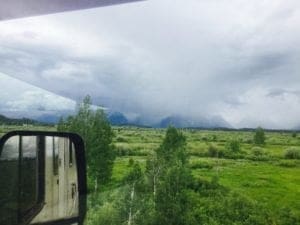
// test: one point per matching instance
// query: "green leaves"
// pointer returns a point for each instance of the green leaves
(259, 137)
(173, 147)
(97, 134)
(171, 175)
(233, 145)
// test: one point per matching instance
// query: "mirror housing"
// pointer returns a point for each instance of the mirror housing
(42, 178)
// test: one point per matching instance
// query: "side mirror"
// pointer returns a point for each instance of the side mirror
(42, 178)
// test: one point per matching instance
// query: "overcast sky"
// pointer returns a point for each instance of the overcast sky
(239, 60)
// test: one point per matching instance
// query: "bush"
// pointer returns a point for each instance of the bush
(204, 138)
(229, 154)
(197, 153)
(258, 151)
(259, 136)
(201, 165)
(259, 157)
(288, 164)
(258, 154)
(214, 137)
(228, 209)
(248, 141)
(121, 151)
(121, 139)
(292, 153)
(288, 217)
(212, 151)
(233, 145)
(130, 162)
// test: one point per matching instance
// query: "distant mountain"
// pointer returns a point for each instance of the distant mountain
(48, 118)
(117, 118)
(176, 121)
(184, 122)
(297, 128)
(10, 121)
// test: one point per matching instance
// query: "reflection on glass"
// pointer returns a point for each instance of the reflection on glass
(55, 158)
(9, 177)
(20, 167)
(61, 189)
(29, 174)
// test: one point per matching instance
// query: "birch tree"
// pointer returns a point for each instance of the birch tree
(94, 128)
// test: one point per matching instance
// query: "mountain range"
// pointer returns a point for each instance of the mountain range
(119, 119)
(21, 121)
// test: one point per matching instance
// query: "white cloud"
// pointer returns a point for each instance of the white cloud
(262, 107)
(19, 96)
(155, 58)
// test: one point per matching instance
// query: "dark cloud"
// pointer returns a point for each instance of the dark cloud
(198, 59)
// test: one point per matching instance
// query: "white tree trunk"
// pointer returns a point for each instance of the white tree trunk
(96, 184)
(154, 186)
(131, 202)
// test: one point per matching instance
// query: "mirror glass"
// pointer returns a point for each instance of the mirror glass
(61, 189)
(9, 176)
(28, 175)
(38, 180)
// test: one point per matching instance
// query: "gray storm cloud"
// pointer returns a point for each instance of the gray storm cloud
(158, 58)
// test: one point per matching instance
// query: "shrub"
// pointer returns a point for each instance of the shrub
(130, 162)
(214, 137)
(248, 141)
(212, 151)
(259, 137)
(201, 165)
(288, 217)
(197, 153)
(288, 164)
(204, 138)
(258, 154)
(292, 153)
(233, 145)
(233, 155)
(259, 157)
(121, 139)
(258, 151)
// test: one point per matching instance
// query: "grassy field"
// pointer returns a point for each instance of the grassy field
(265, 177)
(261, 173)
(5, 129)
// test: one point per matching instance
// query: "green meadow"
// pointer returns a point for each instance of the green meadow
(265, 177)
(261, 173)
